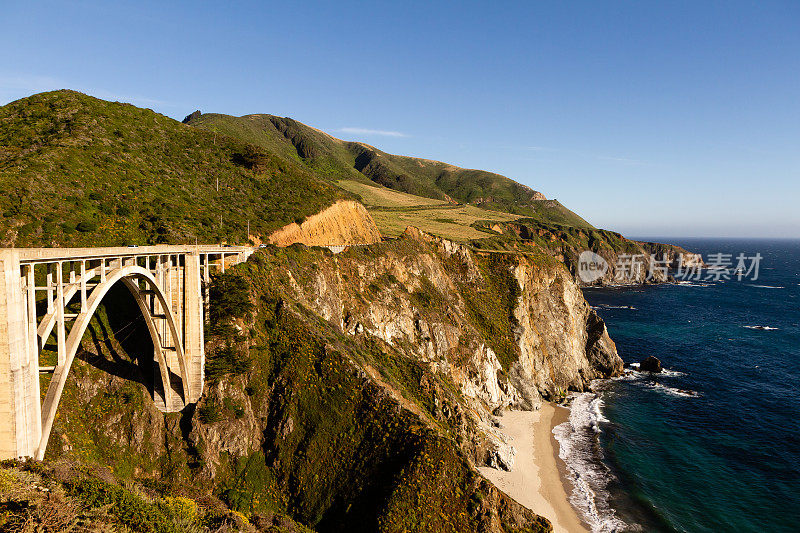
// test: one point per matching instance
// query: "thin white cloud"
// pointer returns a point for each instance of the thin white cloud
(540, 149)
(28, 82)
(366, 131)
(624, 160)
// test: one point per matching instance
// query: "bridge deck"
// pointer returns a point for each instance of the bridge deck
(35, 255)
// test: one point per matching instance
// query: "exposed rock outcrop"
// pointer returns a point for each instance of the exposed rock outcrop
(506, 329)
(556, 341)
(371, 385)
(651, 364)
(192, 116)
(346, 222)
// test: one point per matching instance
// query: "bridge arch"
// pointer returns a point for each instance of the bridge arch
(131, 276)
(166, 281)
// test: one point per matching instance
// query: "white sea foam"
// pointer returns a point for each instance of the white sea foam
(672, 391)
(590, 478)
(687, 283)
(766, 286)
(636, 373)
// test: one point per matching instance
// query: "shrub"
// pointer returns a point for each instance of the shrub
(252, 158)
(182, 510)
(210, 411)
(126, 507)
(233, 406)
(230, 297)
(428, 296)
(226, 360)
(86, 226)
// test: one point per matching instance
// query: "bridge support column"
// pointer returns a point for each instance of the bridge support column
(20, 412)
(193, 307)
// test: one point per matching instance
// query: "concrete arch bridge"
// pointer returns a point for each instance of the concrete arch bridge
(48, 297)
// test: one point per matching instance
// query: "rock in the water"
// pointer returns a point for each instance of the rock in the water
(651, 364)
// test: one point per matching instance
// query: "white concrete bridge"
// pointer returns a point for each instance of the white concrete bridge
(48, 297)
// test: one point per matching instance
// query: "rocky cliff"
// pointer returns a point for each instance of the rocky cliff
(447, 305)
(343, 223)
(354, 391)
(625, 261)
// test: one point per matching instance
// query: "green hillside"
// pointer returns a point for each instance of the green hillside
(340, 160)
(78, 170)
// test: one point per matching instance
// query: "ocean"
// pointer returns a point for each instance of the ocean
(713, 444)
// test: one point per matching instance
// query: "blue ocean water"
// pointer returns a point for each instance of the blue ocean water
(713, 445)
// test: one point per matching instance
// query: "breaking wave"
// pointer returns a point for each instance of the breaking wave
(577, 438)
(672, 391)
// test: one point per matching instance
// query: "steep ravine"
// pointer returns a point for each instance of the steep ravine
(357, 392)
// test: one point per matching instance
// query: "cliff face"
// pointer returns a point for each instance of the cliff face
(444, 305)
(625, 261)
(506, 330)
(345, 222)
(357, 393)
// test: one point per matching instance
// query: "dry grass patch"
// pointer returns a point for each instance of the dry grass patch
(394, 211)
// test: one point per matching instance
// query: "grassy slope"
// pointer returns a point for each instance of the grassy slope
(326, 156)
(559, 238)
(341, 160)
(77, 170)
(393, 211)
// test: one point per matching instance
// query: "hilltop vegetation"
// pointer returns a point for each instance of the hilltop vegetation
(77, 170)
(337, 160)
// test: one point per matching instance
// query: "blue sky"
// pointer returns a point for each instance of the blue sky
(668, 119)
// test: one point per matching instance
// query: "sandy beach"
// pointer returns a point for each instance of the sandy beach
(538, 479)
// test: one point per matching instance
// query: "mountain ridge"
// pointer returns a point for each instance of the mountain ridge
(76, 170)
(338, 159)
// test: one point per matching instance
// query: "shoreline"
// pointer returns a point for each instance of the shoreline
(538, 480)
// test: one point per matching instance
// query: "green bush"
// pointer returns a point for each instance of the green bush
(210, 411)
(229, 294)
(126, 507)
(86, 226)
(227, 359)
